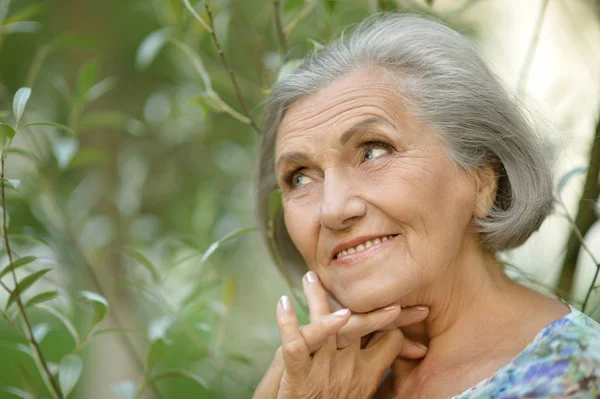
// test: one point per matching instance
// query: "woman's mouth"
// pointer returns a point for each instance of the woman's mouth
(362, 250)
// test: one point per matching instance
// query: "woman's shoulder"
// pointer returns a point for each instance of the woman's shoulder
(562, 361)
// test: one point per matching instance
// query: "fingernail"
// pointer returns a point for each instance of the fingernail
(420, 307)
(391, 307)
(341, 312)
(310, 277)
(420, 345)
(285, 303)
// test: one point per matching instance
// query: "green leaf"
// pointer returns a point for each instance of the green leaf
(18, 347)
(429, 2)
(12, 183)
(65, 321)
(54, 125)
(64, 150)
(28, 12)
(207, 101)
(7, 131)
(17, 392)
(274, 203)
(100, 89)
(98, 302)
(40, 331)
(30, 238)
(157, 351)
(117, 330)
(24, 284)
(69, 371)
(179, 373)
(125, 389)
(238, 357)
(20, 102)
(21, 27)
(197, 62)
(565, 179)
(16, 264)
(24, 154)
(159, 328)
(215, 245)
(288, 68)
(150, 47)
(142, 260)
(88, 157)
(86, 77)
(40, 298)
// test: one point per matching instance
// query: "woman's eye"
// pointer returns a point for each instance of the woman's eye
(374, 153)
(300, 180)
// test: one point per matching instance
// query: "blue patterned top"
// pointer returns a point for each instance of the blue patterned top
(563, 361)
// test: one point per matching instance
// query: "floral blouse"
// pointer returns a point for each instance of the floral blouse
(563, 361)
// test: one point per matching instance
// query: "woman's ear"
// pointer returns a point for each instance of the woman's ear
(486, 178)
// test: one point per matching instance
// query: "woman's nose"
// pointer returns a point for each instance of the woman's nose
(340, 207)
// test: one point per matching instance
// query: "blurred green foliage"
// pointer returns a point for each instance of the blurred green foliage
(129, 190)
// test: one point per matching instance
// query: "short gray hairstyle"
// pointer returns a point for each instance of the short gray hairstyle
(443, 81)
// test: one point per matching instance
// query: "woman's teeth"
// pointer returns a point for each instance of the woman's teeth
(363, 246)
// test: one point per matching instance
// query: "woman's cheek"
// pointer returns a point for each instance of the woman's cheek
(298, 230)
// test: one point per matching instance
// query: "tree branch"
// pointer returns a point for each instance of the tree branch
(279, 26)
(236, 87)
(47, 376)
(586, 215)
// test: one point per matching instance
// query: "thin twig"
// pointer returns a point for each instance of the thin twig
(589, 293)
(279, 26)
(531, 49)
(197, 16)
(12, 322)
(236, 87)
(308, 6)
(46, 375)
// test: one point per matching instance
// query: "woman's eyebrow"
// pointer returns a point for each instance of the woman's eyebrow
(362, 125)
(291, 157)
(299, 157)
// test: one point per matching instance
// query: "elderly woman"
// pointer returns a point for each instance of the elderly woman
(404, 168)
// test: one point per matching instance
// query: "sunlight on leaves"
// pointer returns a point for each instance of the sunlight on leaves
(69, 371)
(20, 102)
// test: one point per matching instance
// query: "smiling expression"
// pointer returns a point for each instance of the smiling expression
(370, 198)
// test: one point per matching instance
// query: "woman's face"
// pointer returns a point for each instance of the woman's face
(370, 198)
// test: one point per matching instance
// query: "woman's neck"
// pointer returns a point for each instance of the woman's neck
(476, 314)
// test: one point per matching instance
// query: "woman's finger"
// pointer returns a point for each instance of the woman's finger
(295, 352)
(410, 350)
(360, 325)
(380, 355)
(316, 296)
(316, 333)
(411, 315)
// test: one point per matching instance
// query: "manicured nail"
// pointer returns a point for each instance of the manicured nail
(285, 303)
(420, 345)
(341, 312)
(391, 307)
(310, 277)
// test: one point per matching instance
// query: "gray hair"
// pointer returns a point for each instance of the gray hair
(445, 83)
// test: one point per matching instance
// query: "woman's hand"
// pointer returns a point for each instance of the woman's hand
(350, 372)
